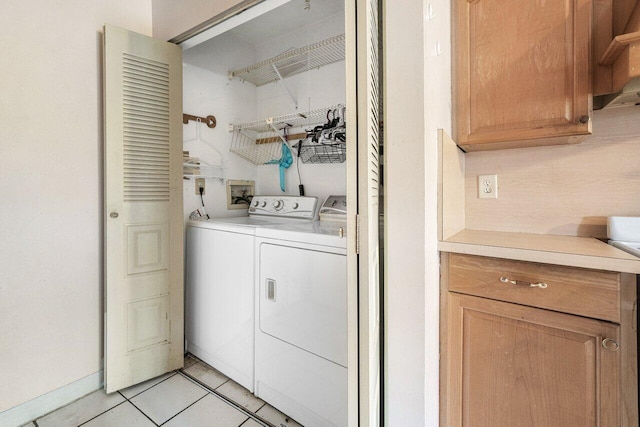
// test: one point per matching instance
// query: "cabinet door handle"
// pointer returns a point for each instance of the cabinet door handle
(610, 344)
(583, 119)
(540, 285)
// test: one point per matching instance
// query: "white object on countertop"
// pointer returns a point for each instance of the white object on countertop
(623, 228)
(631, 247)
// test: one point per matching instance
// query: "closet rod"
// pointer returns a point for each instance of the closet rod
(209, 120)
(278, 139)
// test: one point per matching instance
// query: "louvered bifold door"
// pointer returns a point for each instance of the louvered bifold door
(143, 221)
(368, 203)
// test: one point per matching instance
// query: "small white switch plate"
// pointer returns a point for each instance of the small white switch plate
(488, 186)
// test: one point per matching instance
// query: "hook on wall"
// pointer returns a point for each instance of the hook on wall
(438, 49)
(210, 121)
(431, 14)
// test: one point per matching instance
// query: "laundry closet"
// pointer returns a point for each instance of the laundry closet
(265, 285)
(209, 89)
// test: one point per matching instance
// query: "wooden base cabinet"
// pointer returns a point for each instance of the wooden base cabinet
(509, 364)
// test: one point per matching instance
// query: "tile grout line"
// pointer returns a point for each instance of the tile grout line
(228, 379)
(147, 389)
(103, 412)
(242, 409)
(184, 410)
(143, 391)
(246, 421)
(142, 412)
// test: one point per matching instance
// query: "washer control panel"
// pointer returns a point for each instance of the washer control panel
(300, 207)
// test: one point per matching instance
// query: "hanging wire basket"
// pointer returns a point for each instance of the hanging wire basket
(260, 142)
(260, 148)
(323, 153)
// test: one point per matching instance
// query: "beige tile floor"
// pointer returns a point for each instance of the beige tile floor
(197, 395)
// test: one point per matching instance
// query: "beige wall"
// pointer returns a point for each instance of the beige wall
(172, 18)
(567, 190)
(51, 190)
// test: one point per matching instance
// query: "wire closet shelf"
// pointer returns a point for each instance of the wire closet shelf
(293, 61)
(260, 142)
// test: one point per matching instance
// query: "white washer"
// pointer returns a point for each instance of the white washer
(220, 277)
(301, 321)
(219, 295)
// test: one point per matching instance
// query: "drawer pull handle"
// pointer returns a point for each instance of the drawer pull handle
(540, 285)
(610, 344)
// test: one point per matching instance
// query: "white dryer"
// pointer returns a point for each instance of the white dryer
(301, 321)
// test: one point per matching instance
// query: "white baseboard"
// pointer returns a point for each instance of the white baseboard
(41, 405)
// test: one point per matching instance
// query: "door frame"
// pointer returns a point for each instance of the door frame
(355, 350)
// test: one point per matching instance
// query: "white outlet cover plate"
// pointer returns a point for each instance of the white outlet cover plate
(488, 186)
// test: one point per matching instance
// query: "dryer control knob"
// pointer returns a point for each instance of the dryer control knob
(264, 204)
(295, 206)
(256, 203)
(277, 205)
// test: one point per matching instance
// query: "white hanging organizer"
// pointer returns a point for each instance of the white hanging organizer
(260, 142)
(194, 167)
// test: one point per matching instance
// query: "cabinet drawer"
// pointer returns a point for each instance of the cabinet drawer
(590, 293)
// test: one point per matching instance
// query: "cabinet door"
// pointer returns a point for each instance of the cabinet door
(511, 365)
(521, 72)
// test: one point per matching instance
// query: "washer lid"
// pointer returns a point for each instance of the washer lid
(238, 224)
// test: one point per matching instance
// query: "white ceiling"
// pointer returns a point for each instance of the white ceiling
(286, 18)
(207, 50)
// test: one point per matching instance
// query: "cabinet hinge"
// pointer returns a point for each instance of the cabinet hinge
(357, 234)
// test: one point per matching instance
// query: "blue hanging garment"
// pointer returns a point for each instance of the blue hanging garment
(285, 162)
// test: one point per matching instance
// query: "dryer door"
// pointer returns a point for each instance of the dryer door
(303, 299)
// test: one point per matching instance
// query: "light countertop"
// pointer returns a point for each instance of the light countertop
(585, 252)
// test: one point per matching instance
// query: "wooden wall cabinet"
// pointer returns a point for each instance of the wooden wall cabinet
(507, 362)
(521, 72)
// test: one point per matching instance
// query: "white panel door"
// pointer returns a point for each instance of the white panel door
(143, 253)
(363, 186)
(368, 211)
